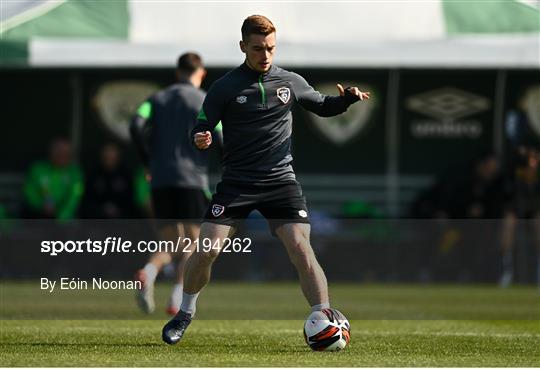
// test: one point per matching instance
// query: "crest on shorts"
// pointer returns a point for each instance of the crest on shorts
(217, 210)
(284, 94)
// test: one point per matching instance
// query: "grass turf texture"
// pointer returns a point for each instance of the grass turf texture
(468, 326)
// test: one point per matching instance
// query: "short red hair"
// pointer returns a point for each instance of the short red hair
(257, 24)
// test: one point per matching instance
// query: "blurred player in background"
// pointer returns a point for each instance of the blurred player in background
(254, 103)
(179, 180)
(525, 206)
(53, 188)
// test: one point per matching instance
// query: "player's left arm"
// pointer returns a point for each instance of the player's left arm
(323, 105)
(217, 134)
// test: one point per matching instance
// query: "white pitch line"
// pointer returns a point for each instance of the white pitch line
(438, 334)
(299, 331)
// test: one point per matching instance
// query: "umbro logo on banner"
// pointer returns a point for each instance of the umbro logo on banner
(447, 103)
(447, 106)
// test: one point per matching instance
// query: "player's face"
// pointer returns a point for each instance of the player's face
(259, 50)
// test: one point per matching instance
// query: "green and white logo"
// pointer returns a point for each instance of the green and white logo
(117, 101)
(531, 104)
(342, 128)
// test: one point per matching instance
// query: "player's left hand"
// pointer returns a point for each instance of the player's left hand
(203, 140)
(362, 95)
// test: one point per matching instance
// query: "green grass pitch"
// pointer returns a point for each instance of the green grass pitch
(241, 324)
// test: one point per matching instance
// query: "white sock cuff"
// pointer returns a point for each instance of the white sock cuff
(189, 303)
(325, 305)
(151, 272)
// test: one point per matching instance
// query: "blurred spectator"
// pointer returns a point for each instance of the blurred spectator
(481, 193)
(430, 202)
(525, 206)
(109, 188)
(54, 187)
(517, 125)
(358, 209)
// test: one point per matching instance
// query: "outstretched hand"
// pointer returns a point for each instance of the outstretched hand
(353, 90)
(203, 140)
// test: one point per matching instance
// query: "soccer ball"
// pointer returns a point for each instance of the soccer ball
(327, 330)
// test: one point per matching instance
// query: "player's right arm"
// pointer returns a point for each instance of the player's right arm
(323, 105)
(138, 127)
(209, 117)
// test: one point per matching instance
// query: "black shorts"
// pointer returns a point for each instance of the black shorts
(178, 203)
(279, 204)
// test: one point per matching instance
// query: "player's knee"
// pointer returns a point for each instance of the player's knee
(205, 257)
(300, 240)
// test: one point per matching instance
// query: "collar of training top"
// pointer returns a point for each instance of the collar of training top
(184, 81)
(254, 73)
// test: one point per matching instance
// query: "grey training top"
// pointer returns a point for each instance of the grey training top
(169, 116)
(255, 111)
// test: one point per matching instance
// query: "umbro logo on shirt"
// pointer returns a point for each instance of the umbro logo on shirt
(241, 99)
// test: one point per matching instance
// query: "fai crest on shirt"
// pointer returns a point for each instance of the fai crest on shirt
(284, 94)
(217, 210)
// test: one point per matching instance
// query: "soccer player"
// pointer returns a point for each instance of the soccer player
(179, 172)
(253, 103)
(522, 215)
